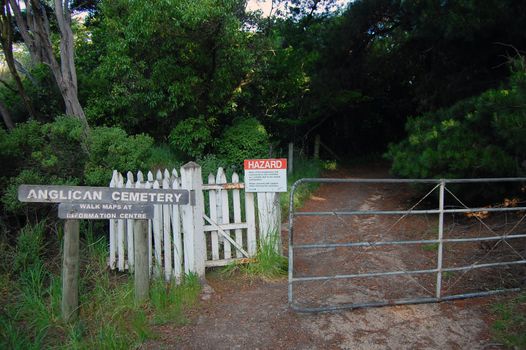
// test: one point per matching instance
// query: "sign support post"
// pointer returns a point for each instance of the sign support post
(142, 276)
(91, 203)
(70, 271)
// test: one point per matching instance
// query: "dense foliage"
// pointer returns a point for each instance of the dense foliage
(483, 136)
(165, 82)
(50, 153)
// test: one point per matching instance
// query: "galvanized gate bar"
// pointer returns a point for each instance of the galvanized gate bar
(414, 272)
(422, 241)
(405, 212)
(429, 181)
(440, 240)
(408, 301)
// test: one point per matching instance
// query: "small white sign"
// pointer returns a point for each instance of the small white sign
(265, 175)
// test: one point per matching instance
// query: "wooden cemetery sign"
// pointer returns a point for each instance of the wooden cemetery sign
(85, 194)
(83, 202)
(105, 211)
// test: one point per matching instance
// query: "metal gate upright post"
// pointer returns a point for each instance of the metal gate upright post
(291, 237)
(440, 238)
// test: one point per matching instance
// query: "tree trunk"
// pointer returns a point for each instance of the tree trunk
(7, 46)
(6, 116)
(37, 35)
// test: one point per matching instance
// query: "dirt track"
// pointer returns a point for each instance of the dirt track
(254, 315)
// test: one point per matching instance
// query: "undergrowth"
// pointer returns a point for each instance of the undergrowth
(303, 168)
(509, 328)
(268, 263)
(109, 318)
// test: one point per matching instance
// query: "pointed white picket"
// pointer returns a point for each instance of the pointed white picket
(140, 176)
(269, 217)
(174, 173)
(250, 218)
(225, 211)
(214, 241)
(120, 232)
(129, 228)
(177, 241)
(113, 223)
(237, 214)
(148, 185)
(167, 235)
(157, 234)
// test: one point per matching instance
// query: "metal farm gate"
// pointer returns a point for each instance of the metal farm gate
(443, 252)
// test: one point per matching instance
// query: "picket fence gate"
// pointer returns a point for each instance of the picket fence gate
(219, 229)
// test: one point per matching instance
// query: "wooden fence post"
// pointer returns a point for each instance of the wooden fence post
(269, 214)
(193, 234)
(142, 269)
(70, 271)
(291, 158)
(317, 147)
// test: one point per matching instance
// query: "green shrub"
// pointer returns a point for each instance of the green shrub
(482, 136)
(210, 163)
(163, 157)
(192, 136)
(246, 139)
(50, 153)
(112, 149)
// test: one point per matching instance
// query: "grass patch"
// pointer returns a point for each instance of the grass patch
(108, 316)
(267, 264)
(510, 326)
(168, 299)
(430, 247)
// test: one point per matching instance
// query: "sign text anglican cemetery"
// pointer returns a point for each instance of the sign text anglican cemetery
(265, 175)
(83, 202)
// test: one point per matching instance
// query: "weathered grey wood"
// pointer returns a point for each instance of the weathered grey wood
(225, 235)
(70, 271)
(214, 240)
(232, 226)
(224, 218)
(250, 218)
(194, 238)
(120, 233)
(148, 184)
(176, 229)
(129, 228)
(290, 160)
(167, 239)
(142, 273)
(157, 224)
(86, 194)
(317, 147)
(90, 211)
(269, 213)
(227, 186)
(113, 230)
(237, 214)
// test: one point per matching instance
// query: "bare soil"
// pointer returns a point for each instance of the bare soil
(243, 313)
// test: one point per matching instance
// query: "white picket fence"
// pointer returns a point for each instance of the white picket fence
(225, 231)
